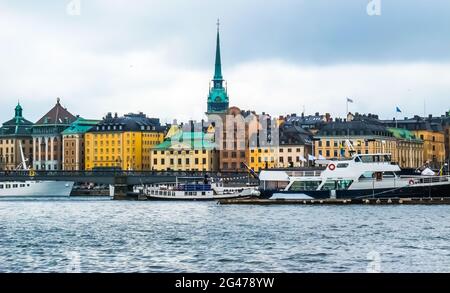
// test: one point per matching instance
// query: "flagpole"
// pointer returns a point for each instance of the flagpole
(346, 113)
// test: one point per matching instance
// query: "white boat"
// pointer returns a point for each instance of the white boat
(195, 191)
(362, 176)
(35, 188)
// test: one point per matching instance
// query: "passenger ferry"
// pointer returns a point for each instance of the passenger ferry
(35, 188)
(362, 176)
(204, 189)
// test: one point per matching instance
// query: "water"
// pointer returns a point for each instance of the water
(100, 235)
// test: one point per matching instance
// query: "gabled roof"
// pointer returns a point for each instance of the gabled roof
(405, 134)
(188, 141)
(58, 115)
(129, 122)
(80, 126)
(291, 134)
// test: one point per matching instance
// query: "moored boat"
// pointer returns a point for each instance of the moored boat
(191, 189)
(362, 176)
(35, 188)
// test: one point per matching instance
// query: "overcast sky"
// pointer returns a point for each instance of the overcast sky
(279, 56)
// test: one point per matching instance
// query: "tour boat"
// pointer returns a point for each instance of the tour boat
(35, 188)
(195, 190)
(362, 176)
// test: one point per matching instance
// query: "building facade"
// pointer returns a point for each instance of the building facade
(409, 149)
(16, 134)
(73, 144)
(47, 138)
(430, 132)
(295, 146)
(123, 142)
(341, 139)
(186, 151)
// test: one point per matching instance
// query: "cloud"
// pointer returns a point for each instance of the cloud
(157, 58)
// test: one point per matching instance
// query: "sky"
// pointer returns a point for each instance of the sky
(278, 56)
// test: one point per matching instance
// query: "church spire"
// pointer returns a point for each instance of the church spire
(218, 97)
(218, 68)
(18, 111)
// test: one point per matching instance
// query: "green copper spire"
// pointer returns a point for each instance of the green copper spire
(218, 69)
(218, 96)
(18, 111)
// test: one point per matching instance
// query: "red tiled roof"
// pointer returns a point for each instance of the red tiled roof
(57, 115)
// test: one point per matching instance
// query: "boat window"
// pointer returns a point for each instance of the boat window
(358, 159)
(388, 175)
(366, 175)
(15, 185)
(274, 185)
(8, 185)
(337, 184)
(22, 185)
(304, 185)
(1, 186)
(367, 159)
(342, 165)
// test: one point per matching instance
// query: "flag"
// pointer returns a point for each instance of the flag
(398, 110)
(321, 157)
(349, 100)
(311, 158)
(302, 158)
(341, 146)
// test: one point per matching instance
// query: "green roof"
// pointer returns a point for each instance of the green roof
(401, 133)
(188, 140)
(80, 126)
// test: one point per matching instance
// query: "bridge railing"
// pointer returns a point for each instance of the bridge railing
(49, 174)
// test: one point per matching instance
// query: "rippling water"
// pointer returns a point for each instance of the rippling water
(99, 235)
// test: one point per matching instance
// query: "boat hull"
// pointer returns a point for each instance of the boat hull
(440, 190)
(36, 189)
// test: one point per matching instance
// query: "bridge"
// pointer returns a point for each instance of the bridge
(110, 177)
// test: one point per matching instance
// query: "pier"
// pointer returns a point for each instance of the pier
(329, 201)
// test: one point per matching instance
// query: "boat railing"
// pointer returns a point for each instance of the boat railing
(427, 179)
(314, 173)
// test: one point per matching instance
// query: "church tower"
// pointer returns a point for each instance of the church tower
(218, 97)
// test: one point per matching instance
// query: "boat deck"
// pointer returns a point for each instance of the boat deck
(369, 201)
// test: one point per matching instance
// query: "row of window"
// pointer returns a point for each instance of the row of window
(11, 141)
(187, 161)
(185, 152)
(7, 186)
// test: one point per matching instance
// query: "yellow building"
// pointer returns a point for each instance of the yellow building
(433, 145)
(409, 149)
(186, 151)
(431, 132)
(263, 158)
(123, 142)
(341, 139)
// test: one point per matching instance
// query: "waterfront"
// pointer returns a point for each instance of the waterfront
(99, 235)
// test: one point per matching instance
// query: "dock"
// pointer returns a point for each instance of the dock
(329, 201)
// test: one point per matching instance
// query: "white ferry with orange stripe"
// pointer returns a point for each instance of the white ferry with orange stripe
(362, 176)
